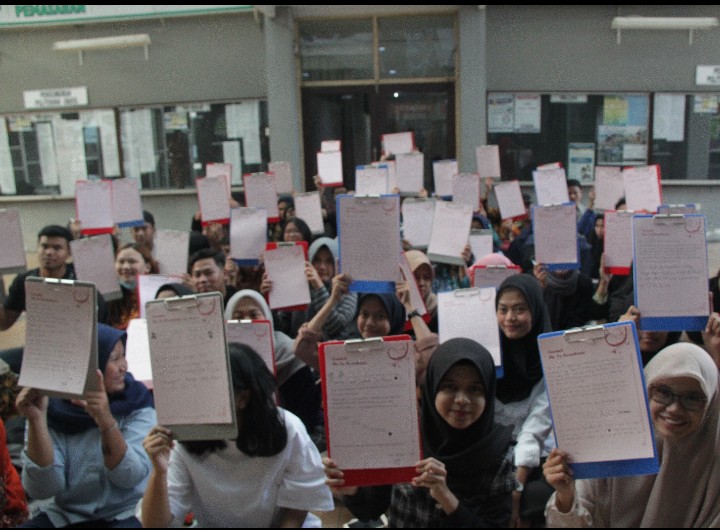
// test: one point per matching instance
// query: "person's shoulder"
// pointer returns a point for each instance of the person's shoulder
(32, 273)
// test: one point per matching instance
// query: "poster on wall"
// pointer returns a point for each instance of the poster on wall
(501, 113)
(622, 145)
(527, 113)
(581, 161)
(669, 117)
(705, 104)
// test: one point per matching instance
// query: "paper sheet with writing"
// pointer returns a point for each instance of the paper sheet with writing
(93, 204)
(597, 396)
(481, 243)
(492, 276)
(470, 313)
(371, 405)
(391, 168)
(171, 251)
(443, 171)
(214, 199)
(618, 242)
(551, 186)
(260, 193)
(328, 146)
(283, 177)
(418, 215)
(248, 234)
(407, 275)
(642, 188)
(410, 172)
(369, 237)
(308, 207)
(609, 186)
(254, 333)
(450, 232)
(510, 200)
(330, 169)
(137, 350)
(371, 180)
(488, 161)
(188, 354)
(12, 257)
(466, 190)
(398, 143)
(285, 266)
(555, 230)
(224, 171)
(233, 158)
(127, 204)
(61, 338)
(94, 260)
(7, 173)
(671, 266)
(148, 285)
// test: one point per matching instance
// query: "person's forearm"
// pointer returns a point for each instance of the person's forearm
(155, 502)
(39, 443)
(113, 445)
(7, 318)
(291, 518)
(318, 321)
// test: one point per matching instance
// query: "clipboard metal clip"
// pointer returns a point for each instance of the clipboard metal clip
(363, 345)
(472, 291)
(177, 303)
(496, 267)
(669, 218)
(585, 334)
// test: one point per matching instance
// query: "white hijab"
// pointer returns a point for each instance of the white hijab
(686, 491)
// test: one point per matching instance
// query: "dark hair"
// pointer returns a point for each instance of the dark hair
(149, 218)
(144, 252)
(262, 432)
(206, 253)
(620, 202)
(56, 231)
(574, 182)
(302, 226)
(287, 199)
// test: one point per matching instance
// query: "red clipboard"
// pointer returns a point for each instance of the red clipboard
(514, 268)
(261, 328)
(270, 220)
(412, 140)
(203, 221)
(94, 231)
(273, 246)
(618, 271)
(369, 476)
(659, 180)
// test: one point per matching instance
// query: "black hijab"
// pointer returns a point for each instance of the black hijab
(480, 448)
(178, 288)
(521, 357)
(395, 310)
(67, 418)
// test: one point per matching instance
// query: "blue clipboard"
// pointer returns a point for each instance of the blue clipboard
(364, 285)
(128, 224)
(680, 322)
(560, 266)
(607, 468)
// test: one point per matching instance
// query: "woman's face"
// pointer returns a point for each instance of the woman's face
(324, 264)
(460, 399)
(128, 264)
(424, 278)
(292, 233)
(513, 314)
(115, 370)
(652, 341)
(373, 320)
(673, 421)
(248, 309)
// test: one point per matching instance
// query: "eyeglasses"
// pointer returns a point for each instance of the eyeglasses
(691, 402)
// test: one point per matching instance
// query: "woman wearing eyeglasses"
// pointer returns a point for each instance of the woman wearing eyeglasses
(685, 410)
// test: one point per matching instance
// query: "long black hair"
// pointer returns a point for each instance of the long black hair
(262, 430)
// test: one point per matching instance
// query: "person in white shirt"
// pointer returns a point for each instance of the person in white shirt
(271, 476)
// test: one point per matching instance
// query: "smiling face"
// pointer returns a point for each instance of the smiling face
(424, 278)
(247, 309)
(673, 421)
(373, 320)
(460, 399)
(115, 370)
(129, 263)
(513, 314)
(324, 264)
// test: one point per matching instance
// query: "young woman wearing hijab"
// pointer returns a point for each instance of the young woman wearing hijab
(685, 409)
(424, 274)
(131, 259)
(87, 456)
(298, 392)
(522, 402)
(172, 290)
(467, 475)
(270, 477)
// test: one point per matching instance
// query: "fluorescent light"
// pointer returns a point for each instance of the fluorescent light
(663, 23)
(103, 43)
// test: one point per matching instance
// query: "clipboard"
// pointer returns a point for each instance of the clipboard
(398, 143)
(289, 244)
(491, 275)
(455, 307)
(565, 354)
(667, 209)
(93, 206)
(551, 265)
(12, 259)
(213, 210)
(367, 276)
(617, 216)
(415, 296)
(189, 352)
(61, 343)
(438, 250)
(258, 335)
(127, 203)
(344, 366)
(329, 164)
(245, 250)
(691, 231)
(419, 234)
(260, 192)
(94, 261)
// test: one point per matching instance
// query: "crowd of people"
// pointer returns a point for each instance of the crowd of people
(490, 458)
